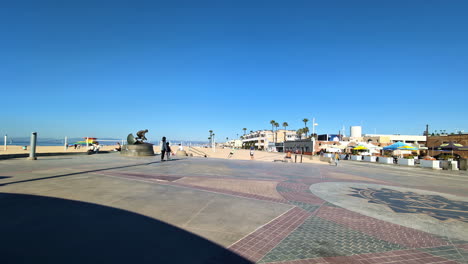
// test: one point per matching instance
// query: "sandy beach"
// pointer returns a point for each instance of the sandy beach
(219, 153)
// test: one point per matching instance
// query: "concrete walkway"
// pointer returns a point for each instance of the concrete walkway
(108, 208)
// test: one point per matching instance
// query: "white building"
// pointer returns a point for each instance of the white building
(262, 138)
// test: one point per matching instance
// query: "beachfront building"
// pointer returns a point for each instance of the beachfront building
(433, 142)
(266, 139)
(304, 146)
(234, 143)
(389, 139)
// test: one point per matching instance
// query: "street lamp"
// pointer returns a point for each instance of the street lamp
(313, 135)
(214, 143)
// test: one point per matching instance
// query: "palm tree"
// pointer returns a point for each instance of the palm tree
(276, 136)
(211, 135)
(272, 122)
(299, 133)
(285, 124)
(245, 129)
(305, 120)
(305, 130)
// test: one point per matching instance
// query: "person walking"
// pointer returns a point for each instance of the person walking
(337, 159)
(231, 153)
(168, 151)
(252, 153)
(163, 148)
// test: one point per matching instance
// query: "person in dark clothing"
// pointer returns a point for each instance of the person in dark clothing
(163, 148)
(168, 151)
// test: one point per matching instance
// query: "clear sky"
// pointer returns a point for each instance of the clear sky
(181, 68)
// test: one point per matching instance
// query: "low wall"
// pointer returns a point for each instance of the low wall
(386, 160)
(432, 164)
(370, 158)
(406, 162)
(463, 164)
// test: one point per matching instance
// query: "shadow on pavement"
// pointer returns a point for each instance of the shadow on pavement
(38, 229)
(77, 173)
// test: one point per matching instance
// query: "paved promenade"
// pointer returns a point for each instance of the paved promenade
(106, 208)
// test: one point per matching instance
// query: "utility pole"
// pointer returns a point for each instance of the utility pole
(427, 135)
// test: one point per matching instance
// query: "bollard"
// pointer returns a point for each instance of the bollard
(32, 154)
(301, 158)
(295, 158)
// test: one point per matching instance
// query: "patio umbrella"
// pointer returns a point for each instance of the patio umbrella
(451, 146)
(333, 150)
(360, 147)
(399, 145)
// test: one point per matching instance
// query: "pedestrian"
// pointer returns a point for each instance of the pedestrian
(168, 151)
(251, 153)
(337, 159)
(231, 153)
(163, 148)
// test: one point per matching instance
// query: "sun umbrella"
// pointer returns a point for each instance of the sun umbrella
(333, 150)
(360, 148)
(399, 145)
(451, 146)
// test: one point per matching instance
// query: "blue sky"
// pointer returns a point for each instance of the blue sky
(181, 68)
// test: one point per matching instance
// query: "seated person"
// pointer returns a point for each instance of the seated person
(118, 148)
(94, 148)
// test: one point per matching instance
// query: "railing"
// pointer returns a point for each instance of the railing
(198, 152)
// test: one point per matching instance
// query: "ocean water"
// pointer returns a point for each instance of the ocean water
(49, 142)
(60, 142)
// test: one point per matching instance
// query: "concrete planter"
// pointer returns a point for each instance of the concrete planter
(406, 162)
(342, 156)
(327, 155)
(386, 160)
(448, 165)
(356, 157)
(370, 158)
(433, 164)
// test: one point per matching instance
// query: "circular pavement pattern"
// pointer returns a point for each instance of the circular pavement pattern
(432, 212)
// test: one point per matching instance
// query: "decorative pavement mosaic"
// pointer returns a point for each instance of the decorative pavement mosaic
(317, 230)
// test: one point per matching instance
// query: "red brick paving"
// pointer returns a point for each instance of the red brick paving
(298, 187)
(257, 244)
(246, 195)
(394, 257)
(298, 192)
(393, 233)
(302, 197)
